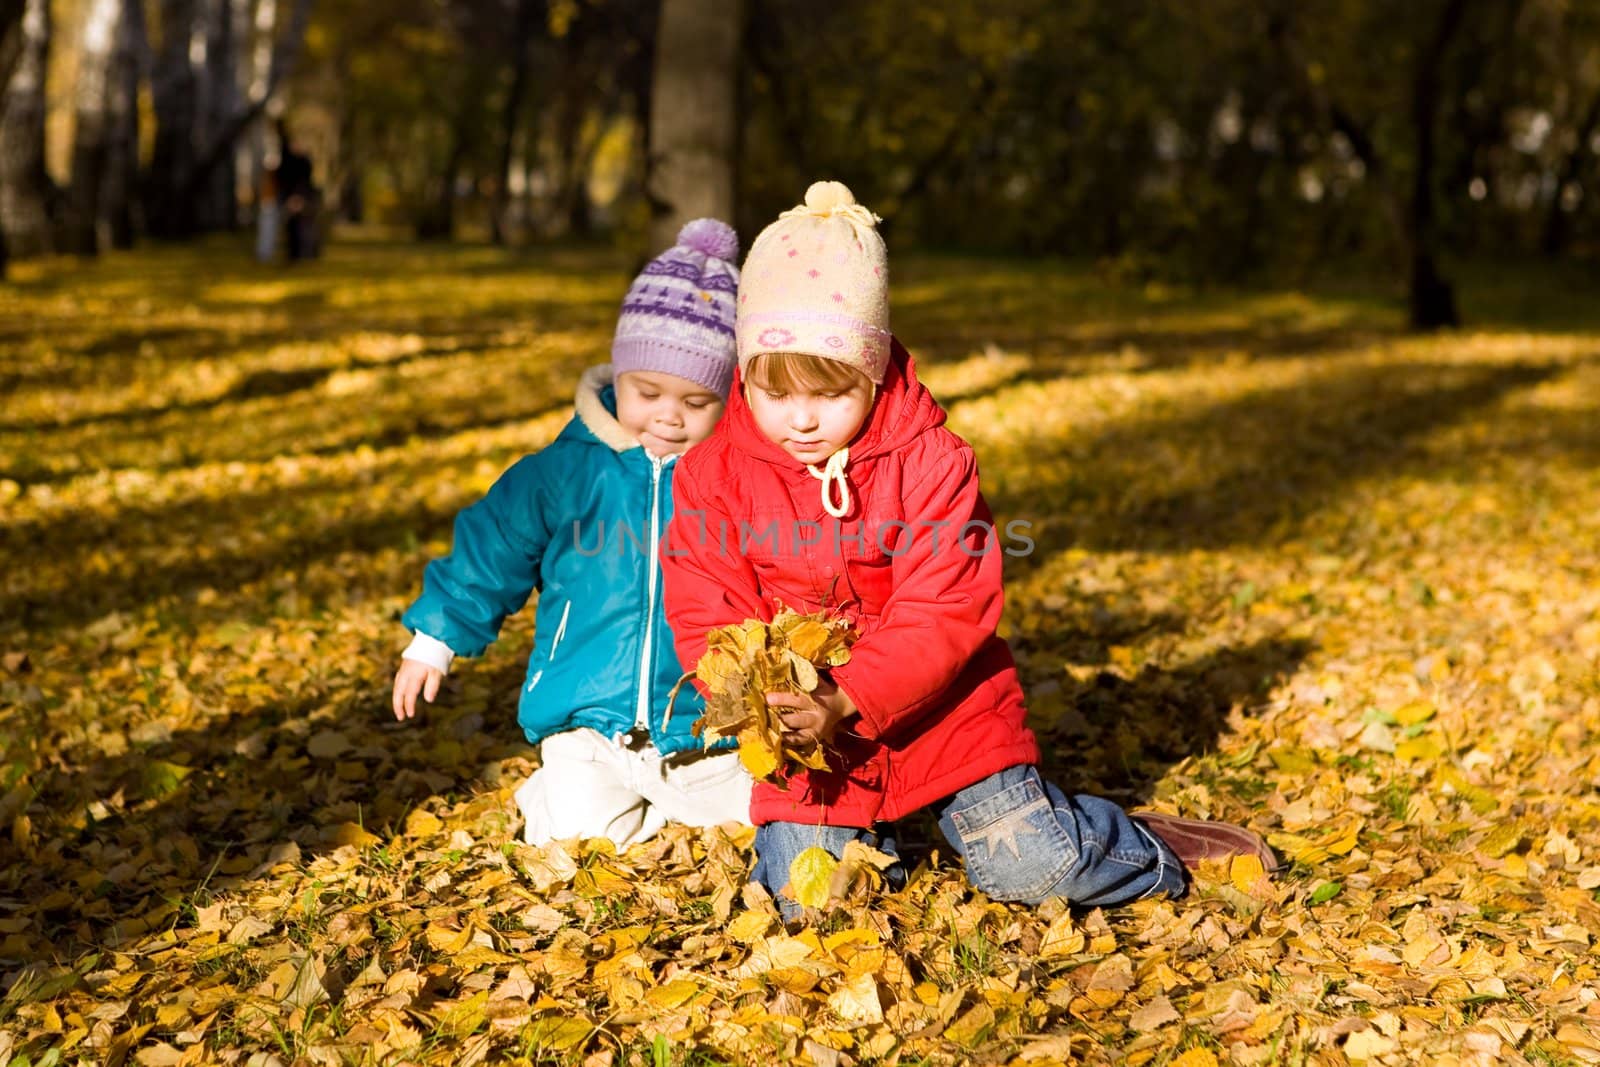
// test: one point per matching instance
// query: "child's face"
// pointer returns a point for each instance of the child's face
(666, 414)
(811, 424)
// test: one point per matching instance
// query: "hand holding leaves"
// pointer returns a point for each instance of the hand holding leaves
(766, 685)
(812, 718)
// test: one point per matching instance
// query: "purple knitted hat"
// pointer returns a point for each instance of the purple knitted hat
(678, 315)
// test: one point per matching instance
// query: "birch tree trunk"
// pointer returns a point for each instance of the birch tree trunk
(168, 212)
(215, 192)
(130, 61)
(91, 125)
(26, 193)
(693, 115)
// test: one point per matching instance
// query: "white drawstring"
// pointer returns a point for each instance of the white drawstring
(833, 474)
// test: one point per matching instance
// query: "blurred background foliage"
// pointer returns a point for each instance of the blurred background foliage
(1230, 139)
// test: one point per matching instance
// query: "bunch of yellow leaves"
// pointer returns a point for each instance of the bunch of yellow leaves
(746, 661)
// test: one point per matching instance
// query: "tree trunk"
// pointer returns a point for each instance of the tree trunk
(1432, 298)
(11, 12)
(345, 168)
(693, 120)
(129, 62)
(91, 125)
(1334, 119)
(569, 208)
(259, 63)
(26, 193)
(214, 188)
(572, 212)
(522, 32)
(438, 221)
(168, 211)
(284, 53)
(577, 211)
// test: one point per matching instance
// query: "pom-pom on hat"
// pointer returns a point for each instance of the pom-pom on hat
(816, 282)
(678, 315)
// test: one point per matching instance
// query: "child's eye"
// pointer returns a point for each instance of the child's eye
(773, 395)
(649, 396)
(698, 405)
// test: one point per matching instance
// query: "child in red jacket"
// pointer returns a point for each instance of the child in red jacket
(832, 481)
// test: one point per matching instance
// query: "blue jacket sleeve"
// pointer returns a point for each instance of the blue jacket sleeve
(493, 565)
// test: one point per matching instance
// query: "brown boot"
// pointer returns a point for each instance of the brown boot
(1193, 840)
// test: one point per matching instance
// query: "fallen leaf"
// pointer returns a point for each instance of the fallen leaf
(810, 874)
(856, 1002)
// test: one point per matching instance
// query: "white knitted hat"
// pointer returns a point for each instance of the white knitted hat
(816, 283)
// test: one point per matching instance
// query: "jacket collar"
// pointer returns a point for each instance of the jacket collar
(596, 415)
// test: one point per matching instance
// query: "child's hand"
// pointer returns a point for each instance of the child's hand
(413, 678)
(815, 715)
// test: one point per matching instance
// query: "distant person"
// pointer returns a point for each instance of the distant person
(269, 218)
(297, 197)
(617, 760)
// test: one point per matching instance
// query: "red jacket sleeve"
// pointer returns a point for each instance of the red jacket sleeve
(707, 583)
(945, 604)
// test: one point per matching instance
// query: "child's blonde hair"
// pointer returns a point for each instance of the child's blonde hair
(791, 372)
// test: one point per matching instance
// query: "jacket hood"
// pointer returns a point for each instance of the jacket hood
(902, 410)
(596, 408)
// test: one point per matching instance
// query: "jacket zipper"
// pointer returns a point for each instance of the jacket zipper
(641, 717)
(561, 631)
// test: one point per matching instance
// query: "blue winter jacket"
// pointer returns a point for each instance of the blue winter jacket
(578, 521)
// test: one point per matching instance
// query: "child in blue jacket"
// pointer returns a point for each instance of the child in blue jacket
(579, 522)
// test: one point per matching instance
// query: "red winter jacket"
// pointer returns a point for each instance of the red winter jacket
(940, 704)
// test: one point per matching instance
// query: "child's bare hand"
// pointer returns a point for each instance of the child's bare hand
(413, 678)
(813, 716)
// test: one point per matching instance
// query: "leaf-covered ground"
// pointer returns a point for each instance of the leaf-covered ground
(1292, 568)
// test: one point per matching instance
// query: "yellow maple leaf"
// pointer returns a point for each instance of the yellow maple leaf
(422, 824)
(1063, 937)
(349, 833)
(805, 672)
(809, 876)
(1418, 711)
(749, 926)
(1301, 849)
(717, 669)
(856, 1002)
(1504, 838)
(757, 754)
(673, 994)
(1245, 871)
(447, 941)
(972, 1027)
(808, 638)
(1418, 748)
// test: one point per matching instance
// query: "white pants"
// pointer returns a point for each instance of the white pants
(589, 785)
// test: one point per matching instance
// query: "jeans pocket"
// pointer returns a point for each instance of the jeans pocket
(1015, 846)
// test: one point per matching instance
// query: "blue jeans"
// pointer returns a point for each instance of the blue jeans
(1022, 839)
